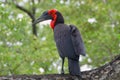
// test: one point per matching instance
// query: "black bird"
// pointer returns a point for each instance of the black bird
(68, 40)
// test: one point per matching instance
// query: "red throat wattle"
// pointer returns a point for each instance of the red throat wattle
(54, 16)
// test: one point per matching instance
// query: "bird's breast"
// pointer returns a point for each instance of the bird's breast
(61, 32)
(62, 36)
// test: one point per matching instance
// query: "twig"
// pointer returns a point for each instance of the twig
(25, 10)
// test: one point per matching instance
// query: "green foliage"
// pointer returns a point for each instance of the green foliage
(23, 53)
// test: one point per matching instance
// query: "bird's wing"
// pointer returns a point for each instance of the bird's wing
(77, 41)
(62, 36)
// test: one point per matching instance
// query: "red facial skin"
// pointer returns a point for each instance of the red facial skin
(54, 17)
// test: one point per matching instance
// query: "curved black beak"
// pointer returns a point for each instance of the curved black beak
(42, 18)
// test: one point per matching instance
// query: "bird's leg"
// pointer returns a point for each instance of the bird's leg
(62, 70)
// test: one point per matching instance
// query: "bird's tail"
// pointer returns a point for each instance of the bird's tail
(74, 68)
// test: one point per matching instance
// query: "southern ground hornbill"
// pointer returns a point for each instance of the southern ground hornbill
(68, 40)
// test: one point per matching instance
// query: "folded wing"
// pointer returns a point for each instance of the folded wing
(77, 41)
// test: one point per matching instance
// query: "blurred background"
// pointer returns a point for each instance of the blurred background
(22, 52)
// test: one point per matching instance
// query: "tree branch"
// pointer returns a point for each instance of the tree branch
(30, 14)
(33, 7)
(25, 10)
(110, 71)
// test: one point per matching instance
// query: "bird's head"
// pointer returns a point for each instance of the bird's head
(53, 15)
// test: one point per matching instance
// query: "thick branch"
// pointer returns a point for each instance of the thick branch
(110, 71)
(34, 30)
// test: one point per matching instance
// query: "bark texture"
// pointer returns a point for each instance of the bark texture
(110, 71)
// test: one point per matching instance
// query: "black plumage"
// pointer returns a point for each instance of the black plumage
(69, 44)
(68, 40)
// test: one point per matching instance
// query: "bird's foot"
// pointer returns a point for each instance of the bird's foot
(79, 77)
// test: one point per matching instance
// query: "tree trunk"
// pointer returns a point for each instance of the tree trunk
(110, 71)
(34, 30)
